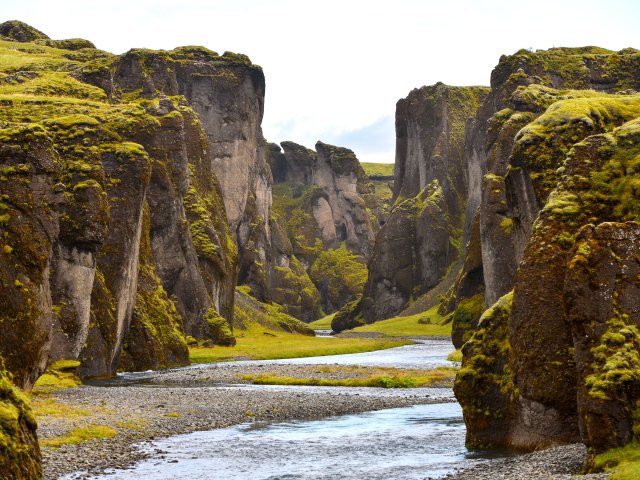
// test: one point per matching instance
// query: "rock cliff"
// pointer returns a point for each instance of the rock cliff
(19, 450)
(115, 235)
(323, 209)
(556, 161)
(423, 235)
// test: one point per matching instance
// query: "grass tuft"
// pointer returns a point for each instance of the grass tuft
(80, 435)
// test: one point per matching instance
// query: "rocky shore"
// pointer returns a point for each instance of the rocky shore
(558, 463)
(197, 399)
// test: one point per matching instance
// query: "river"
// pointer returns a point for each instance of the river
(422, 441)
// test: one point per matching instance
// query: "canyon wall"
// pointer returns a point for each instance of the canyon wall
(114, 220)
(556, 169)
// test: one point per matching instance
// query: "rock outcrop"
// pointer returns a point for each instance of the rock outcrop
(423, 236)
(115, 235)
(551, 171)
(19, 450)
(323, 206)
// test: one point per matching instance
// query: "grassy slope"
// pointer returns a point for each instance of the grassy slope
(624, 462)
(323, 323)
(428, 324)
(260, 335)
(378, 169)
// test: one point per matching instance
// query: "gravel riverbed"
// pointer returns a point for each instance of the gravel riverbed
(558, 463)
(161, 404)
(144, 412)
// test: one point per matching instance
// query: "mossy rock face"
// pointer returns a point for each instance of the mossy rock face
(414, 251)
(529, 142)
(292, 288)
(20, 31)
(29, 169)
(340, 276)
(325, 204)
(250, 312)
(422, 237)
(348, 317)
(523, 86)
(602, 292)
(20, 457)
(79, 166)
(465, 319)
(219, 330)
(430, 126)
(533, 134)
(155, 338)
(595, 186)
(484, 385)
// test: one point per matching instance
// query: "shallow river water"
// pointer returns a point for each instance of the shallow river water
(422, 441)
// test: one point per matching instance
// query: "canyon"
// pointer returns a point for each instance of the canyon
(143, 210)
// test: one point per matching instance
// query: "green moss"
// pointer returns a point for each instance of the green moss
(80, 435)
(55, 84)
(562, 204)
(623, 462)
(484, 385)
(18, 458)
(616, 364)
(203, 234)
(219, 330)
(293, 289)
(542, 145)
(58, 376)
(506, 225)
(340, 274)
(465, 316)
(358, 377)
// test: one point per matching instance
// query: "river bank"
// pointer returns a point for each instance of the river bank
(143, 407)
(142, 413)
(558, 463)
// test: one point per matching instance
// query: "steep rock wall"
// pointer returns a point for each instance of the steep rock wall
(431, 168)
(553, 358)
(116, 229)
(516, 179)
(324, 203)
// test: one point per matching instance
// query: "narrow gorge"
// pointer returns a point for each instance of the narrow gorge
(143, 213)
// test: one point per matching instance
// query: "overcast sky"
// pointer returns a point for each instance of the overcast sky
(335, 68)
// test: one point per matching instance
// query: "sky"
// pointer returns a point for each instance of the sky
(336, 68)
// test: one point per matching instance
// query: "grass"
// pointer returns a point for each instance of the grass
(323, 324)
(373, 377)
(455, 356)
(49, 407)
(58, 376)
(425, 324)
(80, 435)
(378, 169)
(255, 344)
(624, 462)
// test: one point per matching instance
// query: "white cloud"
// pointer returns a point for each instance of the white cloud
(336, 67)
